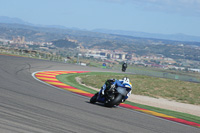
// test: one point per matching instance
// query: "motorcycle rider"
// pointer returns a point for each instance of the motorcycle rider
(111, 83)
(124, 66)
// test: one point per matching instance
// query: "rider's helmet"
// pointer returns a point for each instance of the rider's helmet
(124, 64)
(126, 82)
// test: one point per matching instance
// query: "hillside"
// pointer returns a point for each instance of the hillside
(138, 45)
(175, 37)
(64, 44)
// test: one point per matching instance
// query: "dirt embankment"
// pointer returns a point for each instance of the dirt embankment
(159, 102)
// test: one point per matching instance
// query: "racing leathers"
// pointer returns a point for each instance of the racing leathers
(111, 83)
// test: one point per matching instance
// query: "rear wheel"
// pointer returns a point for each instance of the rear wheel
(123, 69)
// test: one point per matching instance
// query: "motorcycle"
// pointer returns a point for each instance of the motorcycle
(123, 69)
(112, 97)
(124, 66)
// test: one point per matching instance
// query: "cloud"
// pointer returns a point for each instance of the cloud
(190, 7)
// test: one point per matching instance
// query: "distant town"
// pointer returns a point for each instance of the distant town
(107, 56)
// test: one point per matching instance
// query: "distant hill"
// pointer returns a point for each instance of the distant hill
(176, 37)
(64, 44)
(9, 20)
(131, 44)
(4, 19)
(31, 33)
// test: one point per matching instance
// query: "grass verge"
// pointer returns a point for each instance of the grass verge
(180, 91)
(70, 80)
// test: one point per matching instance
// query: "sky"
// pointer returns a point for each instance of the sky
(152, 16)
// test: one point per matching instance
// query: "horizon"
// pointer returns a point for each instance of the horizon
(28, 23)
(157, 17)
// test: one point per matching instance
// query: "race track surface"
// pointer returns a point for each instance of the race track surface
(29, 106)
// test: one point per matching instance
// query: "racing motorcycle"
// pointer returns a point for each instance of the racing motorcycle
(112, 97)
(123, 69)
(124, 66)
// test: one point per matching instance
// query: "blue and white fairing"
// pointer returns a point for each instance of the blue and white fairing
(124, 89)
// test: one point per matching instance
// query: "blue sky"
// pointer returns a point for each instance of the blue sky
(152, 16)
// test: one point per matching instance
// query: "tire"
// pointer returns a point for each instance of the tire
(94, 98)
(123, 69)
(116, 101)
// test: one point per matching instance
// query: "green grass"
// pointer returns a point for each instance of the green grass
(156, 72)
(70, 80)
(181, 91)
(176, 114)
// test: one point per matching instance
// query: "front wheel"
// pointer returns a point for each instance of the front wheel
(123, 69)
(116, 101)
(94, 98)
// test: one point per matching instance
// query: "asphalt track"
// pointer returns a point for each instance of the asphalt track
(27, 105)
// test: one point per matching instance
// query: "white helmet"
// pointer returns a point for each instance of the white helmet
(126, 80)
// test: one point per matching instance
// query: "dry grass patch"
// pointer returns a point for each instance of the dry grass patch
(186, 92)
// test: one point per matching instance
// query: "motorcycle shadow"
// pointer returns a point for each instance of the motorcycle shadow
(101, 104)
